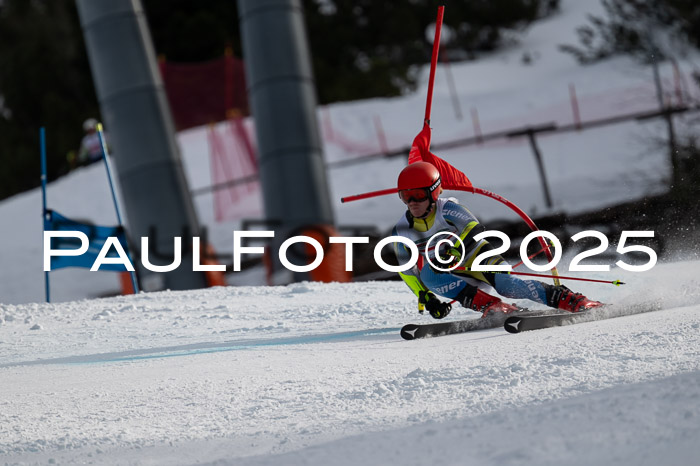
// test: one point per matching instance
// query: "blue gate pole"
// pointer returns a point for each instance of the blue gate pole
(100, 134)
(42, 144)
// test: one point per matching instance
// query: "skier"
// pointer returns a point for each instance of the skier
(90, 148)
(419, 187)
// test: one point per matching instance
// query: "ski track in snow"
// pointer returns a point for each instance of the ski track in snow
(645, 424)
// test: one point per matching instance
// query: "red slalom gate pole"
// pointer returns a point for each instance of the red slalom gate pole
(357, 197)
(433, 62)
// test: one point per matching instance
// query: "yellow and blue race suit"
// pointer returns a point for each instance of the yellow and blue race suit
(449, 216)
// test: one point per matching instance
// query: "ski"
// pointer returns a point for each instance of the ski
(523, 323)
(517, 324)
(416, 331)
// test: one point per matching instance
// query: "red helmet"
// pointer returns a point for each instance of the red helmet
(417, 177)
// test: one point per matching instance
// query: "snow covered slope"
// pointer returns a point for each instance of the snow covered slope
(319, 375)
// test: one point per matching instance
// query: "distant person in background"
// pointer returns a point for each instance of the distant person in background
(90, 149)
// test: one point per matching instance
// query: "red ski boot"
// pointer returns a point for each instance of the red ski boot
(563, 298)
(473, 298)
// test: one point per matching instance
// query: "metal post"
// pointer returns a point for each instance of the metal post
(668, 116)
(146, 157)
(283, 100)
(540, 167)
(453, 88)
(530, 133)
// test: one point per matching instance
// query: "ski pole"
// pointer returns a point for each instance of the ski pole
(612, 282)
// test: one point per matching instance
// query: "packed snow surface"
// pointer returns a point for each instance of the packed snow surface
(316, 373)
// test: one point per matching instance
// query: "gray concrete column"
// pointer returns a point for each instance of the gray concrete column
(142, 134)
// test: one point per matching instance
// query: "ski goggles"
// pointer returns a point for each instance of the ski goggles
(414, 195)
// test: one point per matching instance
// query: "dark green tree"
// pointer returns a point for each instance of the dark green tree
(187, 31)
(365, 48)
(44, 81)
(647, 30)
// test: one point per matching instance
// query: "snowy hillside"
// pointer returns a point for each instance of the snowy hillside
(318, 374)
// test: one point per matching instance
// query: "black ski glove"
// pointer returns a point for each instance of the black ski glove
(435, 307)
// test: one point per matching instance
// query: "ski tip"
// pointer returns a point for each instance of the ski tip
(512, 324)
(408, 332)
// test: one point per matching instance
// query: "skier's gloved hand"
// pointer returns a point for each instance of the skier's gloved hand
(448, 257)
(452, 255)
(435, 307)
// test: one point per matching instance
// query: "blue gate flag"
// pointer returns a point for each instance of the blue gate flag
(97, 235)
